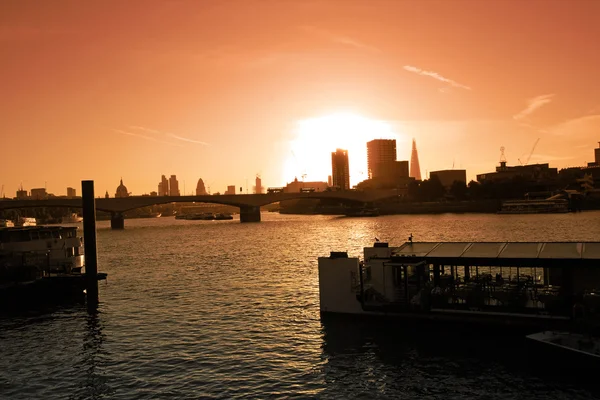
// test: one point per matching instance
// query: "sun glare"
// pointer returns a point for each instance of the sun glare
(316, 138)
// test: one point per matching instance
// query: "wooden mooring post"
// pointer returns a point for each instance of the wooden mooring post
(89, 238)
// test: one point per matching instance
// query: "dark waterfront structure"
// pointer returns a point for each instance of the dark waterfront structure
(340, 169)
(89, 234)
(517, 284)
(42, 265)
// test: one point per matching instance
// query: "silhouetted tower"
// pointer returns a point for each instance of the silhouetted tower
(258, 189)
(415, 169)
(340, 169)
(200, 189)
(502, 160)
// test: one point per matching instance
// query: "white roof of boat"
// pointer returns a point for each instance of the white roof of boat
(501, 250)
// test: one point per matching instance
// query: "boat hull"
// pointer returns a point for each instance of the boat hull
(543, 352)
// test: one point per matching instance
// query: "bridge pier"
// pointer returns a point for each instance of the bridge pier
(249, 214)
(117, 221)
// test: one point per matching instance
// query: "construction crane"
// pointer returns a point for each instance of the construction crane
(530, 153)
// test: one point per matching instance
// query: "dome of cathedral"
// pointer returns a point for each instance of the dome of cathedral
(122, 190)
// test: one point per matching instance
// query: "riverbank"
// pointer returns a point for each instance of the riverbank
(491, 206)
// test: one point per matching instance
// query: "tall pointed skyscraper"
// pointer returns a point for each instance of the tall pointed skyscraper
(415, 169)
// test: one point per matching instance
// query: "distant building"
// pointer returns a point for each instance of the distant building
(597, 156)
(296, 186)
(448, 176)
(340, 169)
(329, 180)
(415, 168)
(39, 194)
(532, 172)
(153, 194)
(230, 189)
(173, 186)
(121, 190)
(163, 186)
(71, 192)
(258, 189)
(106, 196)
(200, 189)
(22, 194)
(381, 153)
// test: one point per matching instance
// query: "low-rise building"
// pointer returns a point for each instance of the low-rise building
(39, 194)
(532, 172)
(296, 186)
(448, 176)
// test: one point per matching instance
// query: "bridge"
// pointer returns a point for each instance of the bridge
(249, 204)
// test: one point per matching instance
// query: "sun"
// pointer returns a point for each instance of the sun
(315, 139)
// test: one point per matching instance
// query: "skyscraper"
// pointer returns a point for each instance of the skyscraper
(200, 189)
(379, 153)
(258, 189)
(163, 186)
(340, 169)
(415, 169)
(173, 186)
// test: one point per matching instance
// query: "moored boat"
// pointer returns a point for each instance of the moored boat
(527, 285)
(40, 264)
(201, 216)
(548, 206)
(61, 246)
(576, 350)
(223, 216)
(362, 212)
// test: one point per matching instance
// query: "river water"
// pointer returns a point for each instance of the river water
(219, 309)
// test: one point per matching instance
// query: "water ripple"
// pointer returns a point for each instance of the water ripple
(209, 310)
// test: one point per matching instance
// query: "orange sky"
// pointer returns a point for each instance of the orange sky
(216, 89)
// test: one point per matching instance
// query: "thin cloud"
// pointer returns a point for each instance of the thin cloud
(143, 129)
(533, 104)
(577, 125)
(170, 135)
(187, 139)
(341, 39)
(150, 138)
(436, 76)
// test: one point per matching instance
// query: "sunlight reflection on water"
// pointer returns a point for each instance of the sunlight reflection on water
(197, 309)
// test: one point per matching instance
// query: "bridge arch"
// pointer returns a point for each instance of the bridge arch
(248, 204)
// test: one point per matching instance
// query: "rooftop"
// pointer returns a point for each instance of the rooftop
(503, 253)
